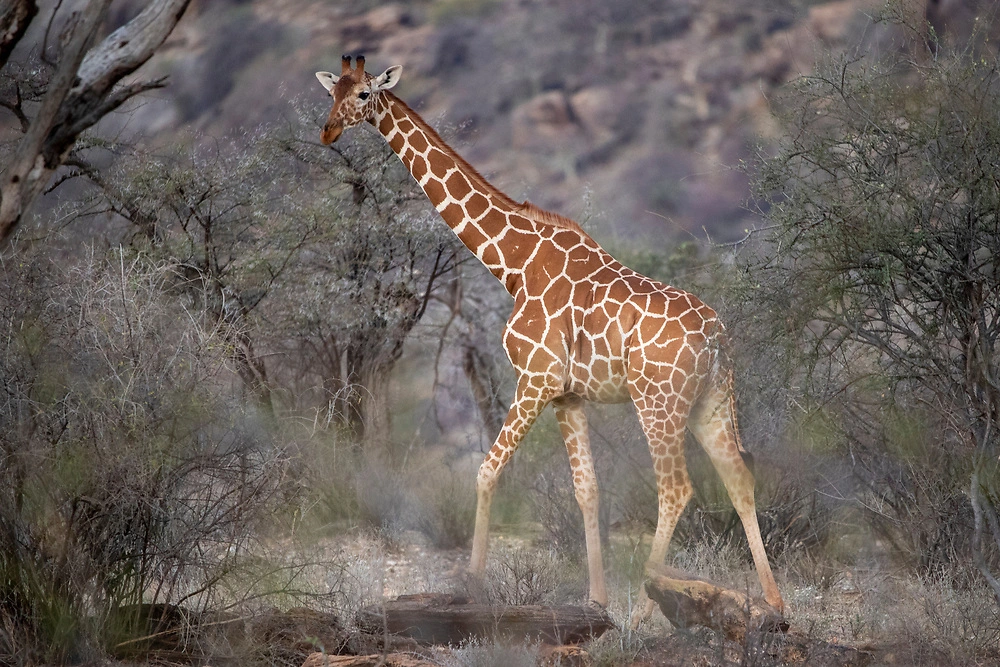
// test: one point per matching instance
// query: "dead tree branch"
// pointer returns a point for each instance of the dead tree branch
(83, 89)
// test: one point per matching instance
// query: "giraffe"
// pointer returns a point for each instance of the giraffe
(583, 327)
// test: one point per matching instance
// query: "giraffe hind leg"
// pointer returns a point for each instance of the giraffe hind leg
(713, 423)
(573, 424)
(663, 424)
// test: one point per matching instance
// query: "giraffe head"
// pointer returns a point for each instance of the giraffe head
(354, 93)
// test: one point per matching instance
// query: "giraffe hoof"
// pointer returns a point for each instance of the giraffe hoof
(642, 611)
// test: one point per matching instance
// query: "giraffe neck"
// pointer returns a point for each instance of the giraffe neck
(484, 218)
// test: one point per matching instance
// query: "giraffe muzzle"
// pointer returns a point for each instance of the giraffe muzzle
(330, 134)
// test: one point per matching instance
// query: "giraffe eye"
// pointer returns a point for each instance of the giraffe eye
(363, 95)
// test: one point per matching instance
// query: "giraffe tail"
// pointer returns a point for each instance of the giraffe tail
(731, 390)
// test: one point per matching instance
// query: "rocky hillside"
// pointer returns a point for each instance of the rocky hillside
(631, 114)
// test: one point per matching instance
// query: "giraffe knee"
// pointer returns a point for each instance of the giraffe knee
(486, 480)
(743, 503)
(675, 498)
(684, 496)
(587, 495)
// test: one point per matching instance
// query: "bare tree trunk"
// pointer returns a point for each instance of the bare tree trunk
(14, 20)
(376, 421)
(485, 386)
(83, 89)
(252, 371)
(354, 386)
(361, 400)
(358, 373)
(982, 510)
(477, 362)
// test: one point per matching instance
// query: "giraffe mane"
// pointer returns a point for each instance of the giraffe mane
(540, 215)
(526, 208)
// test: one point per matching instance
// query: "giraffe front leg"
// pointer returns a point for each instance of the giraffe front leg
(528, 403)
(573, 425)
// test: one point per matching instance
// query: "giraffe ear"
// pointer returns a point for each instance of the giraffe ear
(388, 78)
(327, 79)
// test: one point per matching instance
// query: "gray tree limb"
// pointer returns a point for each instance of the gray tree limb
(25, 177)
(82, 91)
(976, 497)
(14, 20)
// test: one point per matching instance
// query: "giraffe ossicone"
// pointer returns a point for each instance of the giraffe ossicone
(583, 327)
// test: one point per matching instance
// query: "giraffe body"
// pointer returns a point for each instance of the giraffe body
(583, 327)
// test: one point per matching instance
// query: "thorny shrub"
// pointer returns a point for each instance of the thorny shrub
(130, 478)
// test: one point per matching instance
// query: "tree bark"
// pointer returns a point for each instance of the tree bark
(14, 20)
(485, 387)
(252, 371)
(444, 619)
(373, 409)
(978, 500)
(81, 92)
(375, 660)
